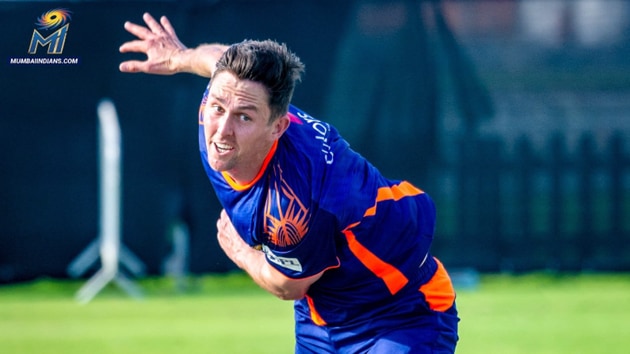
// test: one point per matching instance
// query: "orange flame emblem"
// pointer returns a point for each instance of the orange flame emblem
(53, 19)
(291, 225)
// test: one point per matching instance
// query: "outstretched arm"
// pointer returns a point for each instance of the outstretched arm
(254, 263)
(166, 55)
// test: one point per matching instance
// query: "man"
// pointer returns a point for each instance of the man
(306, 217)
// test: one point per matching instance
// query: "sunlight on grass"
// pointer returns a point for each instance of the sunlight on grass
(223, 314)
(546, 314)
(535, 313)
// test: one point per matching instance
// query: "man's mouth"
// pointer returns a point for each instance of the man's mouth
(223, 148)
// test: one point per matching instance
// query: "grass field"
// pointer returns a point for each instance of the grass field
(535, 313)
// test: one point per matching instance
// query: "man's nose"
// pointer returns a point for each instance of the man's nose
(224, 125)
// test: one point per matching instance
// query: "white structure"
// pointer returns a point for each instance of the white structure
(108, 245)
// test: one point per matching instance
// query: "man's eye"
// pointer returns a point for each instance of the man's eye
(245, 118)
(217, 108)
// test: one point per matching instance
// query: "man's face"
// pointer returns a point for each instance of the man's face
(236, 125)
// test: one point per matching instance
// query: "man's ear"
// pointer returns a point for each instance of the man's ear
(280, 126)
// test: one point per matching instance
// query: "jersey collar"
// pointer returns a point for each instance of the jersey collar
(242, 187)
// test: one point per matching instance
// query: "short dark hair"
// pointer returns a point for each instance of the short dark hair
(268, 63)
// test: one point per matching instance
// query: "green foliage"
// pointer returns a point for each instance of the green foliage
(535, 313)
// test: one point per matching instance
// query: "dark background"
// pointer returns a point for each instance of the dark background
(516, 127)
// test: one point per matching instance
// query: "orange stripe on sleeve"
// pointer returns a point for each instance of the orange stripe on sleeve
(397, 192)
(393, 278)
(439, 291)
(317, 319)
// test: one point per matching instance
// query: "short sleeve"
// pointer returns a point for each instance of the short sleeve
(313, 254)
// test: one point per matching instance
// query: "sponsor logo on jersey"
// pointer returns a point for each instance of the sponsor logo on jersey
(289, 263)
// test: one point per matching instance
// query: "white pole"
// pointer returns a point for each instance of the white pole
(110, 187)
(110, 210)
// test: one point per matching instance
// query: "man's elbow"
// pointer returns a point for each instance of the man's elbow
(289, 289)
(292, 289)
(290, 294)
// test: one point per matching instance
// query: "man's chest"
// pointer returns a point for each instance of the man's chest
(273, 213)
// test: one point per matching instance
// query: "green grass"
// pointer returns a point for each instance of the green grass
(537, 313)
(546, 314)
(222, 314)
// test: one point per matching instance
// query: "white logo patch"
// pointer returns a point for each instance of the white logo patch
(289, 263)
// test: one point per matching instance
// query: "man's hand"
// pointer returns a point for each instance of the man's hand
(232, 243)
(158, 41)
(254, 263)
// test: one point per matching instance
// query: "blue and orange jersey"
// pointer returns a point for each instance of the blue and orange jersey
(318, 205)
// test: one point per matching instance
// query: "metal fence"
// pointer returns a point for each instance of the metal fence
(534, 208)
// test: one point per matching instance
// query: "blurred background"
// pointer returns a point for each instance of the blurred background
(513, 115)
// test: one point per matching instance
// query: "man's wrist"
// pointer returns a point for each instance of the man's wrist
(179, 60)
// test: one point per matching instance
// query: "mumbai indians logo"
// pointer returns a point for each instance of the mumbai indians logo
(48, 21)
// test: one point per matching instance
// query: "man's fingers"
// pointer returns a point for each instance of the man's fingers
(137, 30)
(166, 24)
(136, 46)
(224, 224)
(153, 25)
(131, 66)
(221, 220)
(157, 41)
